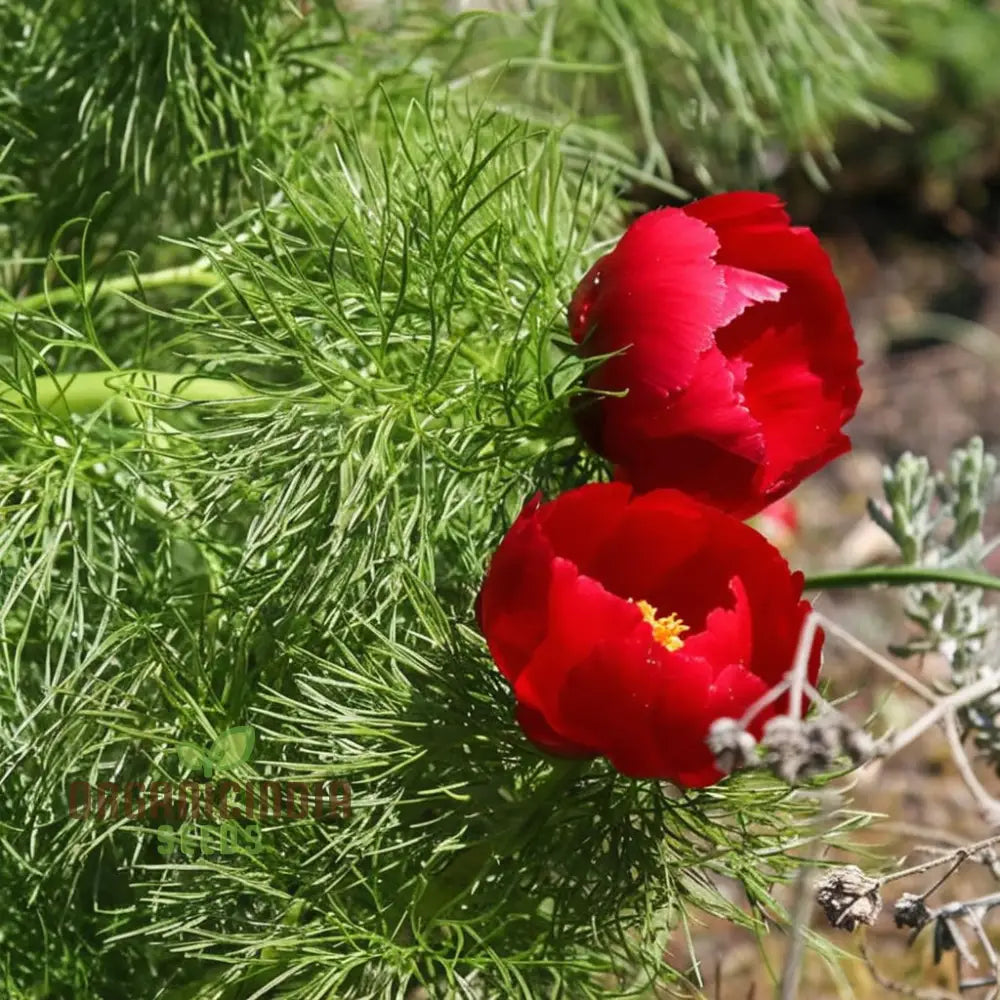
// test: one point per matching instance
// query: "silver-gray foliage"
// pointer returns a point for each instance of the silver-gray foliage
(938, 520)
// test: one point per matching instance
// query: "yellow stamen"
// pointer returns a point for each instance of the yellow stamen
(666, 631)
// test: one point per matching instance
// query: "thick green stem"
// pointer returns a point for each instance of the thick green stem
(84, 392)
(127, 283)
(900, 576)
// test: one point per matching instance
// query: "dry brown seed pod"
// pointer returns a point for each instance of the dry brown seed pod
(849, 897)
(910, 911)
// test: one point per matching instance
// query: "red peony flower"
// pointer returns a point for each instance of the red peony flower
(737, 353)
(626, 624)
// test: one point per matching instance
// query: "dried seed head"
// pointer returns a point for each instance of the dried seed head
(858, 745)
(849, 897)
(910, 911)
(731, 745)
(824, 736)
(801, 749)
(787, 747)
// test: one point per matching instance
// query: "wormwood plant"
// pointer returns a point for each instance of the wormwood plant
(251, 475)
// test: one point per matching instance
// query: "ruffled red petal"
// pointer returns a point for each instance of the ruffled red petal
(737, 416)
(813, 304)
(657, 441)
(657, 298)
(800, 412)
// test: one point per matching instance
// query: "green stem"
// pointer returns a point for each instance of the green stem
(900, 576)
(84, 392)
(461, 873)
(565, 774)
(190, 275)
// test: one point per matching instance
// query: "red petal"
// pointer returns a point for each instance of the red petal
(814, 301)
(660, 295)
(754, 235)
(735, 210)
(578, 523)
(700, 777)
(711, 408)
(800, 412)
(609, 697)
(774, 654)
(534, 726)
(802, 382)
(581, 615)
(702, 440)
(512, 601)
(727, 638)
(658, 532)
(699, 584)
(745, 288)
(639, 702)
(734, 690)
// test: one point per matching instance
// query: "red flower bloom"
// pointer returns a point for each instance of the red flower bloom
(627, 624)
(737, 353)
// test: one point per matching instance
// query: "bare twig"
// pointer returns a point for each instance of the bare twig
(793, 681)
(984, 941)
(963, 908)
(989, 807)
(959, 861)
(902, 988)
(893, 669)
(949, 703)
(792, 969)
(763, 701)
(972, 984)
(800, 665)
(960, 853)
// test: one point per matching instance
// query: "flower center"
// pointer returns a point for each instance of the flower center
(666, 631)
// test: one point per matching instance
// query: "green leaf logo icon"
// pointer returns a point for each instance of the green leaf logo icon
(192, 756)
(233, 747)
